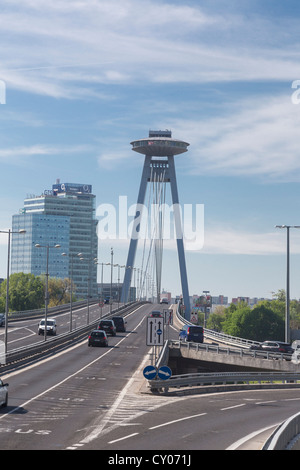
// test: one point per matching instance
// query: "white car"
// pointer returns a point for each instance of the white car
(51, 327)
(3, 394)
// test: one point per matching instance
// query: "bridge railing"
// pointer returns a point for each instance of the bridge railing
(217, 349)
(218, 378)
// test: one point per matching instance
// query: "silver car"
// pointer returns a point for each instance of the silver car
(3, 394)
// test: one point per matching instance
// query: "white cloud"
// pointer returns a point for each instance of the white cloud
(16, 154)
(257, 137)
(230, 241)
(126, 41)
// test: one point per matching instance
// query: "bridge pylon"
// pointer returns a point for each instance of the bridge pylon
(159, 150)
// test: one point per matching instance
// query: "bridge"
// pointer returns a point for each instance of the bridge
(85, 398)
(64, 395)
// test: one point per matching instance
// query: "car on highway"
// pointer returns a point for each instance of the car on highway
(156, 314)
(120, 323)
(50, 327)
(97, 338)
(273, 346)
(3, 393)
(2, 319)
(108, 326)
(191, 333)
(164, 300)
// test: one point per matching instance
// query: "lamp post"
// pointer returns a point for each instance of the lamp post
(287, 299)
(89, 260)
(71, 289)
(37, 245)
(8, 232)
(111, 277)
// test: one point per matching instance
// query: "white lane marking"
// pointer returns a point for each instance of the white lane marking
(240, 442)
(177, 420)
(122, 438)
(104, 420)
(234, 406)
(66, 378)
(265, 402)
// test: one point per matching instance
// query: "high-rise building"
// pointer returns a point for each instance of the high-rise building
(62, 216)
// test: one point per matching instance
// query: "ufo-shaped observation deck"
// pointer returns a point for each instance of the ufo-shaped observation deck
(159, 144)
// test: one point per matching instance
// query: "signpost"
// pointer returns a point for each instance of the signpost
(155, 331)
(150, 372)
(164, 372)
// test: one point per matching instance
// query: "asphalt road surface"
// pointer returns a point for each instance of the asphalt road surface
(97, 398)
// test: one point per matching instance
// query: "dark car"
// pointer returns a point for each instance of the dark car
(191, 333)
(2, 319)
(119, 323)
(108, 326)
(98, 338)
(156, 314)
(274, 346)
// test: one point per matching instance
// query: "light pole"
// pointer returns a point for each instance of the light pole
(89, 260)
(21, 231)
(37, 245)
(71, 256)
(287, 297)
(111, 277)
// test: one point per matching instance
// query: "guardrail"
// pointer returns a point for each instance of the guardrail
(36, 313)
(192, 380)
(221, 337)
(22, 355)
(286, 436)
(217, 349)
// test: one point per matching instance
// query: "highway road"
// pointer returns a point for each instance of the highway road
(96, 398)
(24, 332)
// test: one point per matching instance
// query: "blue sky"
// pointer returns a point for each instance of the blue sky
(85, 78)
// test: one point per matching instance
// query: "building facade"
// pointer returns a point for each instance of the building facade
(62, 216)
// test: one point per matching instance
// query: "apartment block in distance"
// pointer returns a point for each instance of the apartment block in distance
(65, 216)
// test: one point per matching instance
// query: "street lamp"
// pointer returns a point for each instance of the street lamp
(71, 256)
(287, 300)
(37, 245)
(89, 260)
(22, 232)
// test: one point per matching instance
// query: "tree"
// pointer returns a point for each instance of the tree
(59, 291)
(258, 324)
(216, 319)
(26, 292)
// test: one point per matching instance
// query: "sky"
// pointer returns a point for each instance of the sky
(81, 79)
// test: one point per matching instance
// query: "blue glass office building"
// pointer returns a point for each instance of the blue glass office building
(62, 216)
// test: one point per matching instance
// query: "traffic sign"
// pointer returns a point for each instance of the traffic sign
(150, 372)
(155, 331)
(168, 316)
(164, 372)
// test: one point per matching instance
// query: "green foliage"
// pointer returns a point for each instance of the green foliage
(263, 322)
(26, 292)
(59, 291)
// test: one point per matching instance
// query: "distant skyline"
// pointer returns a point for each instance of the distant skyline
(80, 80)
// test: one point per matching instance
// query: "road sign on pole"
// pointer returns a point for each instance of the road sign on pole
(164, 372)
(150, 372)
(155, 331)
(168, 316)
